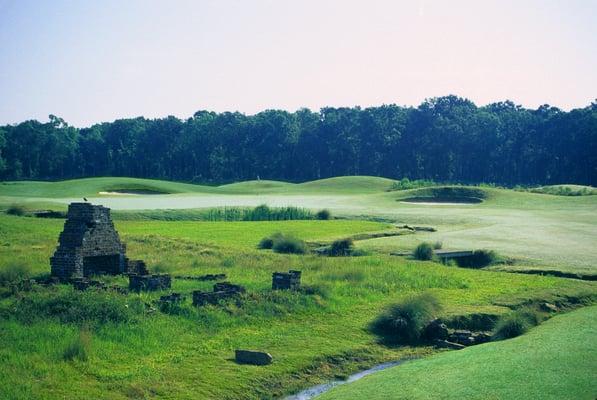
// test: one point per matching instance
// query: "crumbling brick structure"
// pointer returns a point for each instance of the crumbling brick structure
(290, 280)
(88, 245)
(222, 291)
(149, 282)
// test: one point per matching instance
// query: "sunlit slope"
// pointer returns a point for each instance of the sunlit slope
(552, 361)
(349, 184)
(93, 186)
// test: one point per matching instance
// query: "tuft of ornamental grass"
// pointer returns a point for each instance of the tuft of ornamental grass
(423, 252)
(479, 259)
(516, 323)
(79, 348)
(404, 322)
(16, 209)
(341, 247)
(283, 243)
(324, 214)
(288, 244)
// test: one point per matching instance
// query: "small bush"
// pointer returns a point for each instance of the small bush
(78, 349)
(406, 184)
(268, 242)
(479, 259)
(16, 209)
(437, 245)
(404, 322)
(516, 323)
(289, 245)
(341, 247)
(14, 273)
(324, 214)
(423, 251)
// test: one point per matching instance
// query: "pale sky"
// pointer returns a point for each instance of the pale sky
(94, 61)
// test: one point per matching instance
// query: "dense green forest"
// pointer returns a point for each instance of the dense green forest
(447, 139)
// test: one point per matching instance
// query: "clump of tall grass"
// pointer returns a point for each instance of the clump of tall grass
(79, 348)
(516, 323)
(405, 321)
(479, 259)
(283, 243)
(341, 247)
(405, 184)
(289, 245)
(324, 214)
(16, 209)
(423, 252)
(259, 213)
(14, 273)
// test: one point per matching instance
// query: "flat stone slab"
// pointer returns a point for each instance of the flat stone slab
(252, 357)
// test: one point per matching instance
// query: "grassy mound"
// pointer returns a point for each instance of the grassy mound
(90, 187)
(552, 361)
(349, 184)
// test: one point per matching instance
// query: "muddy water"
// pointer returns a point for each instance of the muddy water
(315, 391)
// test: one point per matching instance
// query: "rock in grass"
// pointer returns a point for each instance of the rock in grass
(253, 357)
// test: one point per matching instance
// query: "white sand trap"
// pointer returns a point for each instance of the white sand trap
(117, 194)
(431, 203)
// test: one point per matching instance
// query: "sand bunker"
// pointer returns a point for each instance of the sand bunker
(130, 192)
(439, 201)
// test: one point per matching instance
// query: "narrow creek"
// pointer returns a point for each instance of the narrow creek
(315, 391)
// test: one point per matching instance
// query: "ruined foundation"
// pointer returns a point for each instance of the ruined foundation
(88, 245)
(290, 280)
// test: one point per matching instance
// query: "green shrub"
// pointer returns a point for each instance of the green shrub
(404, 322)
(516, 323)
(16, 209)
(479, 259)
(289, 245)
(437, 245)
(78, 349)
(323, 214)
(14, 273)
(405, 184)
(341, 247)
(423, 251)
(268, 242)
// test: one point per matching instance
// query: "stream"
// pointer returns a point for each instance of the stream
(315, 391)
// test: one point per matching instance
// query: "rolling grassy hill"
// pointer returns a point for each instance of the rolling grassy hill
(553, 361)
(537, 231)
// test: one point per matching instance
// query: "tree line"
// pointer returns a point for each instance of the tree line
(445, 139)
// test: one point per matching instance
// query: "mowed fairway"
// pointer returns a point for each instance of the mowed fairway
(557, 360)
(536, 231)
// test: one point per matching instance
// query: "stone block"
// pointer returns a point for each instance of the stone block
(252, 357)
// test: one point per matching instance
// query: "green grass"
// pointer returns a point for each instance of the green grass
(566, 190)
(556, 360)
(186, 353)
(537, 231)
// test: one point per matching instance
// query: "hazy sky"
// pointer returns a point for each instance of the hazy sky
(92, 61)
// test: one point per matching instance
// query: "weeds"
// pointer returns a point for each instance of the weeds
(516, 323)
(404, 322)
(16, 209)
(423, 252)
(79, 348)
